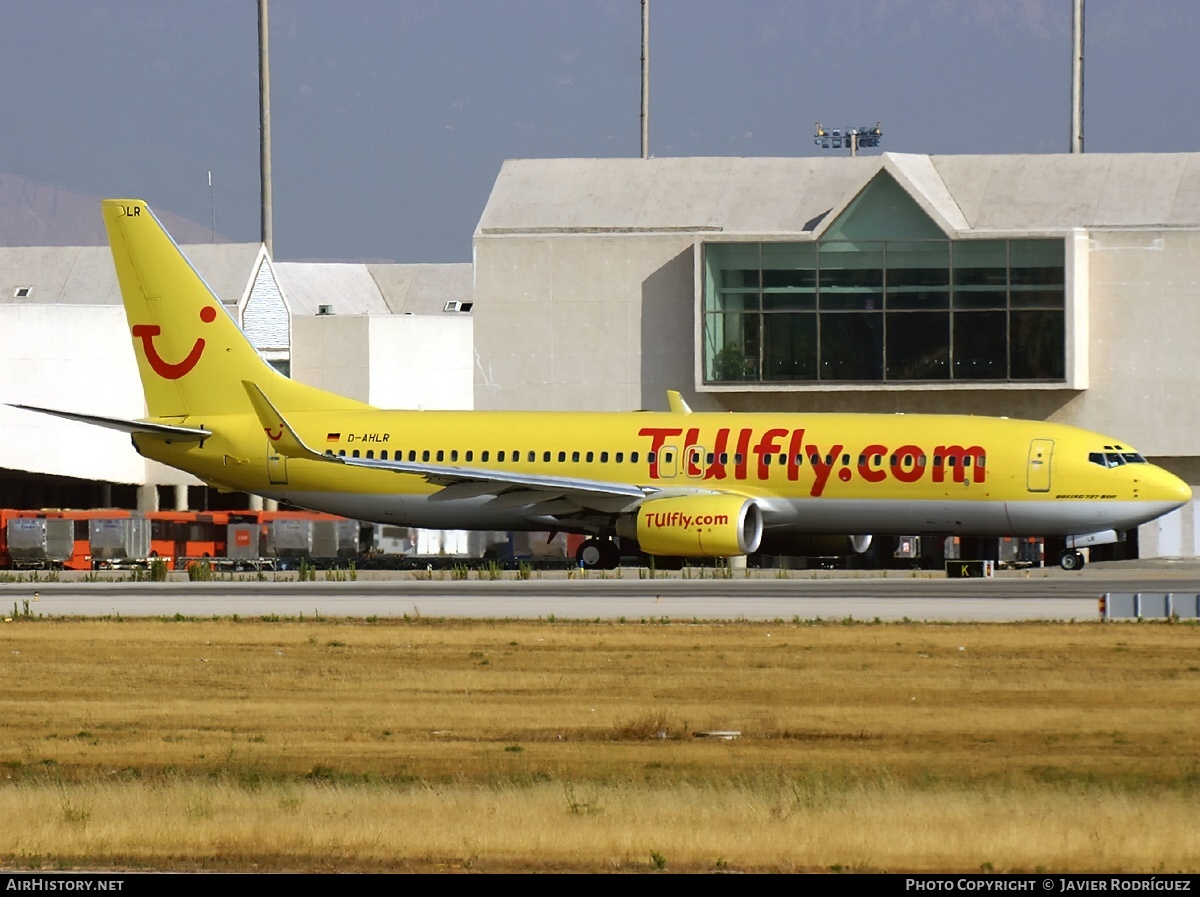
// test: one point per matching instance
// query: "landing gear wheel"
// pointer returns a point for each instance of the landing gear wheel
(1071, 560)
(598, 554)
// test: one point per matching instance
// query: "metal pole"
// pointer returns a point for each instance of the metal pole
(1077, 78)
(264, 124)
(645, 79)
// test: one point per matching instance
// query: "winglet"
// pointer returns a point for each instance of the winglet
(678, 405)
(283, 438)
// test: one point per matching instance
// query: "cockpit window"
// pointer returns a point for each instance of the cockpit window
(1115, 459)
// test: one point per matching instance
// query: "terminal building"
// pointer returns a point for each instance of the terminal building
(1050, 287)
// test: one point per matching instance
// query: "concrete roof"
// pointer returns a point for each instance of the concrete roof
(84, 275)
(348, 289)
(360, 289)
(424, 289)
(964, 194)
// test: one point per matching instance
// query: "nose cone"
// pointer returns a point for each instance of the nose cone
(1164, 488)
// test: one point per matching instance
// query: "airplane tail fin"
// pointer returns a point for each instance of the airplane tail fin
(191, 354)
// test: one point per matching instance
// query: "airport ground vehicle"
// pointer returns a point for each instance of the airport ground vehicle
(121, 539)
(58, 539)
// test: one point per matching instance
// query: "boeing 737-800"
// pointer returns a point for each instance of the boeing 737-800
(682, 484)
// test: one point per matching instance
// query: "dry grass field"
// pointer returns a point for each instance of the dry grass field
(421, 745)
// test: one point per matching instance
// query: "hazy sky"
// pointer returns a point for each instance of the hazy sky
(391, 118)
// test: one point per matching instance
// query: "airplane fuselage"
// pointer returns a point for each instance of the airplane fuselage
(810, 473)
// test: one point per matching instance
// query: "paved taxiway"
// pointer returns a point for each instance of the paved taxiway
(1036, 595)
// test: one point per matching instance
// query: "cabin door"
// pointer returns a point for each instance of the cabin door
(1038, 471)
(276, 467)
(668, 462)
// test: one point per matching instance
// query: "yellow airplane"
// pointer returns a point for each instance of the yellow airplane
(682, 484)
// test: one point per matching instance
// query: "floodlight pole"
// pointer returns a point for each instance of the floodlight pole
(645, 79)
(264, 125)
(1077, 78)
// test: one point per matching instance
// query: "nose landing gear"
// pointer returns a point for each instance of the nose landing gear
(1071, 560)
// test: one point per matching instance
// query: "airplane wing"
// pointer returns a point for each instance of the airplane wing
(517, 489)
(125, 426)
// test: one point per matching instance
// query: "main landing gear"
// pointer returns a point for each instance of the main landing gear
(1071, 560)
(598, 554)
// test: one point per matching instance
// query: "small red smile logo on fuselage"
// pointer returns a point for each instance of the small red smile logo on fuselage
(166, 369)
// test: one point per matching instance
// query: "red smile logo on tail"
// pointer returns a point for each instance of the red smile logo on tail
(166, 369)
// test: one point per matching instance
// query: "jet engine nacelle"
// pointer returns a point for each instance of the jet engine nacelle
(696, 526)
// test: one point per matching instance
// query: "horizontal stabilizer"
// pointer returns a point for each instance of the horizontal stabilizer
(125, 426)
(278, 430)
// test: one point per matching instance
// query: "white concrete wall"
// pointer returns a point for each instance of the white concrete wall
(582, 322)
(331, 352)
(398, 361)
(421, 362)
(1145, 330)
(76, 358)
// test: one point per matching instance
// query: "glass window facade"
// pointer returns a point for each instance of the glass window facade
(888, 311)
